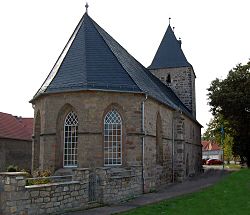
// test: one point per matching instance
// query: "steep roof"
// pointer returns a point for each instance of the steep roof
(93, 60)
(169, 53)
(210, 146)
(13, 127)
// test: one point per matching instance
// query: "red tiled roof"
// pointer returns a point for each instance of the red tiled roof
(209, 146)
(215, 147)
(204, 144)
(13, 127)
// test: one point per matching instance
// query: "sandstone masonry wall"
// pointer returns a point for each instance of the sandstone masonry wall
(186, 141)
(90, 107)
(112, 185)
(178, 133)
(15, 152)
(16, 198)
(182, 82)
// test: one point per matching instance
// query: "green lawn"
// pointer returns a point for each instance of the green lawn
(232, 166)
(229, 196)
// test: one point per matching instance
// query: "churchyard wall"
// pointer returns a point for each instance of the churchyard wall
(109, 185)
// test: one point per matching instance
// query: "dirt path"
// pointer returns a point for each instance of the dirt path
(210, 177)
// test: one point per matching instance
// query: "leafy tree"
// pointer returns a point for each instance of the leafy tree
(231, 98)
(213, 133)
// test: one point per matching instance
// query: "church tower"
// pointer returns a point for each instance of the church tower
(172, 68)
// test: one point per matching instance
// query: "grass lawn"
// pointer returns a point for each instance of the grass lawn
(229, 196)
(232, 166)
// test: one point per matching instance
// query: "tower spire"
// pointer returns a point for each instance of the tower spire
(169, 20)
(87, 6)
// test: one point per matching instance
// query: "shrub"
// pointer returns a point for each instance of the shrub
(12, 168)
(39, 177)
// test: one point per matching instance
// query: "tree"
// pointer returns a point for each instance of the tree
(231, 98)
(213, 133)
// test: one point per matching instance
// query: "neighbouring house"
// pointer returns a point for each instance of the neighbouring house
(211, 150)
(102, 111)
(15, 141)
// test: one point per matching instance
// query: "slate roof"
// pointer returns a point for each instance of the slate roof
(93, 60)
(169, 53)
(13, 127)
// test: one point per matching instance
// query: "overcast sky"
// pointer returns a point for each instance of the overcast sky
(215, 37)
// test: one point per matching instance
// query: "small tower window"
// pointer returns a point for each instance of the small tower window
(168, 79)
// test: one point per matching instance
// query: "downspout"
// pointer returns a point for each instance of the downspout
(173, 131)
(143, 139)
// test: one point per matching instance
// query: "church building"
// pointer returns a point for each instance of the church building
(102, 110)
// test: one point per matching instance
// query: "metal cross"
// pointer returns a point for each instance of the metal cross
(87, 6)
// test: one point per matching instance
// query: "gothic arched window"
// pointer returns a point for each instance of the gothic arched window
(159, 141)
(112, 138)
(70, 140)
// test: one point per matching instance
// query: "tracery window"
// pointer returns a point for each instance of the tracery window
(70, 140)
(112, 139)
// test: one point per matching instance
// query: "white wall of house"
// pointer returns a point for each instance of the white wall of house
(215, 154)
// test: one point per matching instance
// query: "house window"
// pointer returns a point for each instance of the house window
(70, 140)
(112, 139)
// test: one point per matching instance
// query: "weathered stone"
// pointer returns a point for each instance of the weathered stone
(9, 188)
(44, 193)
(34, 193)
(38, 200)
(13, 209)
(57, 203)
(46, 199)
(21, 183)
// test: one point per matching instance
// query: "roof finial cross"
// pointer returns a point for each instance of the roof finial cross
(86, 6)
(169, 19)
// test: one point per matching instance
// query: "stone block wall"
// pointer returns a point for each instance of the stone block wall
(156, 174)
(182, 82)
(16, 198)
(186, 141)
(119, 184)
(113, 185)
(15, 152)
(90, 107)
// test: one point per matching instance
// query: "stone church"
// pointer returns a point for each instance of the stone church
(100, 109)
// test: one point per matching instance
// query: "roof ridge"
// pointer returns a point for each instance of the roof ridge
(105, 66)
(159, 82)
(117, 56)
(149, 76)
(61, 57)
(94, 24)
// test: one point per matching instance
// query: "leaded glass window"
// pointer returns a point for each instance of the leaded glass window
(112, 139)
(70, 140)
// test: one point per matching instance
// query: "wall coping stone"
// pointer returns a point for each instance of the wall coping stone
(51, 177)
(120, 177)
(13, 173)
(51, 184)
(136, 165)
(80, 169)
